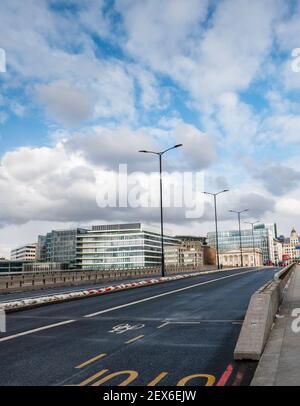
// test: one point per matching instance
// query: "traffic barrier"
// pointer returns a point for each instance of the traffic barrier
(17, 282)
(260, 315)
(29, 303)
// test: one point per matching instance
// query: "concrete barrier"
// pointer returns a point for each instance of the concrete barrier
(30, 303)
(20, 282)
(260, 317)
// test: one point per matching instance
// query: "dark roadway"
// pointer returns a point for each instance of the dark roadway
(185, 334)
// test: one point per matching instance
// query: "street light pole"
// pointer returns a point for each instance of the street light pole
(160, 154)
(253, 244)
(161, 219)
(216, 221)
(239, 212)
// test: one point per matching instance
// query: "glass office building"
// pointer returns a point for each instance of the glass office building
(11, 266)
(120, 246)
(59, 246)
(264, 235)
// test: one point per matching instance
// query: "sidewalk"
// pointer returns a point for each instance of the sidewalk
(280, 362)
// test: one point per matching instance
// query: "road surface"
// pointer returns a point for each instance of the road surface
(177, 333)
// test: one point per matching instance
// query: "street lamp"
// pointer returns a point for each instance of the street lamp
(239, 212)
(216, 221)
(252, 223)
(160, 154)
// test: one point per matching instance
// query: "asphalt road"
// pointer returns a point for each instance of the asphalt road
(177, 333)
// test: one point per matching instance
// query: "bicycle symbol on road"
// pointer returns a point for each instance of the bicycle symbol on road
(122, 328)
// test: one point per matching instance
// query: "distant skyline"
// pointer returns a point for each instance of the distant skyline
(89, 83)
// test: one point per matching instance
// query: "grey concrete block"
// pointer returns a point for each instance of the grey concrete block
(258, 321)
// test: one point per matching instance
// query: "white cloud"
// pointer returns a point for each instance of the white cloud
(160, 32)
(58, 183)
(65, 103)
(224, 58)
(59, 57)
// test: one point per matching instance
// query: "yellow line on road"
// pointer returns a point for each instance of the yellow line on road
(134, 339)
(90, 361)
(157, 379)
(93, 377)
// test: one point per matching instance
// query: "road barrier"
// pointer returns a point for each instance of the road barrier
(30, 303)
(27, 281)
(260, 317)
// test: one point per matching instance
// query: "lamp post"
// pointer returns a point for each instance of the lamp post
(216, 221)
(160, 154)
(239, 212)
(253, 244)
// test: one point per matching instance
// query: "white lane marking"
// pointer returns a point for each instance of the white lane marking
(118, 307)
(123, 328)
(163, 325)
(165, 294)
(25, 333)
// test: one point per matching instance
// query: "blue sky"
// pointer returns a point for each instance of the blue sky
(88, 83)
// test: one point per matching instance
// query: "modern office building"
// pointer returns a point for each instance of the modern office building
(59, 246)
(24, 253)
(11, 266)
(264, 235)
(45, 266)
(120, 246)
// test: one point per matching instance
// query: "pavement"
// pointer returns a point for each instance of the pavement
(280, 362)
(178, 333)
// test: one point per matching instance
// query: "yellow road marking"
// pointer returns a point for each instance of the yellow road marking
(132, 375)
(210, 379)
(90, 361)
(163, 325)
(157, 379)
(93, 377)
(134, 339)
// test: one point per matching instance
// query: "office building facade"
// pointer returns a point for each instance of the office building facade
(24, 253)
(11, 266)
(59, 246)
(264, 236)
(120, 246)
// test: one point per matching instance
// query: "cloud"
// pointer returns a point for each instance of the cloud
(224, 57)
(110, 147)
(257, 204)
(161, 39)
(198, 147)
(65, 103)
(61, 182)
(58, 60)
(279, 179)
